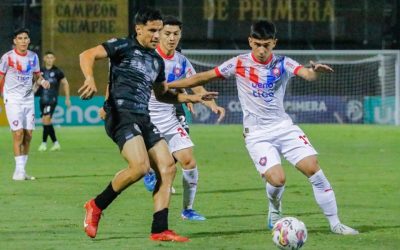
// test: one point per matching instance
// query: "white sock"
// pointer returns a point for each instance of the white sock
(189, 180)
(20, 163)
(25, 160)
(274, 195)
(325, 197)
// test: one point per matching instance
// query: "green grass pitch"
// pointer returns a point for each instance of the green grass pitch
(361, 162)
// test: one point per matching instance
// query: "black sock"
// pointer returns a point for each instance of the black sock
(160, 221)
(52, 133)
(45, 133)
(106, 197)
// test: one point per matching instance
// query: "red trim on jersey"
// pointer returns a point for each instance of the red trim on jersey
(163, 55)
(20, 54)
(240, 68)
(2, 73)
(269, 59)
(296, 70)
(253, 75)
(218, 73)
(19, 66)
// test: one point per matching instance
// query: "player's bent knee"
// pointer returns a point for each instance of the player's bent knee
(275, 176)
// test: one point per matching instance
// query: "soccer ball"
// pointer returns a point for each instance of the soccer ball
(289, 233)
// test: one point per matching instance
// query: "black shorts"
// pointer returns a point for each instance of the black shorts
(123, 126)
(47, 108)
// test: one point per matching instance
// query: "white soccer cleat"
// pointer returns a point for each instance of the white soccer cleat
(343, 230)
(55, 147)
(22, 176)
(42, 147)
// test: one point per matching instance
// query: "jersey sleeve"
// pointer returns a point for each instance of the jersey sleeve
(291, 66)
(189, 69)
(227, 69)
(60, 75)
(36, 65)
(3, 65)
(161, 73)
(114, 46)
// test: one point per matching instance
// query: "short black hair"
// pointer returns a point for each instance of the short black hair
(49, 53)
(263, 30)
(172, 20)
(20, 31)
(147, 14)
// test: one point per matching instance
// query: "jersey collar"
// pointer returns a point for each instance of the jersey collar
(257, 61)
(163, 55)
(20, 54)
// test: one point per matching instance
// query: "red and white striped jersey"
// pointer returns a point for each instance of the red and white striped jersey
(18, 70)
(261, 86)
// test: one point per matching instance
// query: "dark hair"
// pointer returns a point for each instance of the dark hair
(20, 31)
(147, 14)
(49, 53)
(171, 20)
(263, 30)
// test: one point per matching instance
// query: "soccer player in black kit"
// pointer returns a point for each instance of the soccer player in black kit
(49, 97)
(135, 69)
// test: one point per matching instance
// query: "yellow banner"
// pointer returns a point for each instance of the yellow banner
(3, 117)
(70, 27)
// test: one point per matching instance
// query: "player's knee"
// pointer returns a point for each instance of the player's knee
(167, 168)
(188, 163)
(19, 135)
(27, 138)
(276, 177)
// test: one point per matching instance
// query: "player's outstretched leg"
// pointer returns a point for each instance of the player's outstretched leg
(325, 198)
(274, 195)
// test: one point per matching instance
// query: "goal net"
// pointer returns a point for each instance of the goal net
(363, 89)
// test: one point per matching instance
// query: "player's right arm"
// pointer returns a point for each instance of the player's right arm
(86, 62)
(195, 80)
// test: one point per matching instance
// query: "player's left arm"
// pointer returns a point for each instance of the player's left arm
(65, 84)
(311, 74)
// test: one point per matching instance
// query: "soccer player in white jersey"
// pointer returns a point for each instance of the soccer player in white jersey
(20, 68)
(261, 79)
(162, 114)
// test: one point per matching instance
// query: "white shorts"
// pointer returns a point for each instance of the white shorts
(175, 135)
(265, 147)
(20, 116)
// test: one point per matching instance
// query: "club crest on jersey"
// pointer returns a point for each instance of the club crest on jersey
(276, 72)
(52, 74)
(263, 161)
(177, 71)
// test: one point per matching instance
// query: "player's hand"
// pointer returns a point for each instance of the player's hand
(68, 102)
(190, 107)
(102, 113)
(88, 89)
(320, 68)
(208, 96)
(45, 84)
(219, 111)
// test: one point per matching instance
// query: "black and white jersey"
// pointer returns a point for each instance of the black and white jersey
(133, 71)
(54, 76)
